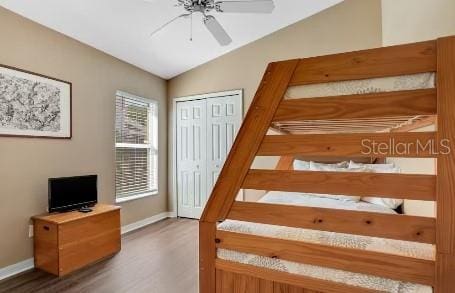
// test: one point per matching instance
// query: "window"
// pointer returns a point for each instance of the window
(136, 147)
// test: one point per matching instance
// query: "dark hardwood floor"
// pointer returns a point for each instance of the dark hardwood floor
(160, 258)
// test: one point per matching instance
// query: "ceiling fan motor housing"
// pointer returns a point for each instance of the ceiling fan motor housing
(212, 24)
(198, 5)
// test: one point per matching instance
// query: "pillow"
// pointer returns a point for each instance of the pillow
(391, 203)
(301, 165)
(338, 167)
(338, 196)
(377, 168)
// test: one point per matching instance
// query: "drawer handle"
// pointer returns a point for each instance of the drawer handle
(46, 228)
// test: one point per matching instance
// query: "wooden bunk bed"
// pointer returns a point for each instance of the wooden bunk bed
(334, 127)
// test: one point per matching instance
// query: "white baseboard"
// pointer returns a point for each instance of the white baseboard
(146, 222)
(28, 264)
(16, 268)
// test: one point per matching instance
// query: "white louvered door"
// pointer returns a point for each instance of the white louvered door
(205, 131)
(191, 158)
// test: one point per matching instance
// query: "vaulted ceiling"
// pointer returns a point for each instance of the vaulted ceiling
(122, 28)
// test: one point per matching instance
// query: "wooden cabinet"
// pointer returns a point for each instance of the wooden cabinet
(65, 242)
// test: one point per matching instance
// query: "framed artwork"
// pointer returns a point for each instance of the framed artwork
(34, 105)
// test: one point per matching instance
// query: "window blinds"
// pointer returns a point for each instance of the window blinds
(135, 146)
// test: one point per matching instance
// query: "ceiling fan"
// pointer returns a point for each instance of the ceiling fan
(207, 6)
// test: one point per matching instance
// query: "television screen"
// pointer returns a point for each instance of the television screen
(71, 193)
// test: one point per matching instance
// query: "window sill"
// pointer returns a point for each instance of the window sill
(136, 196)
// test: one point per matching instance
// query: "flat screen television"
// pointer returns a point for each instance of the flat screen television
(72, 193)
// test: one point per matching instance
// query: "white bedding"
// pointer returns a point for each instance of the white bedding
(397, 247)
(364, 86)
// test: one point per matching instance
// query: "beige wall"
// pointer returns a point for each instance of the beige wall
(405, 21)
(418, 166)
(351, 25)
(26, 163)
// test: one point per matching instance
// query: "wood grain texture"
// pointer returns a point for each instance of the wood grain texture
(431, 120)
(358, 125)
(446, 131)
(159, 258)
(254, 127)
(401, 227)
(380, 62)
(399, 144)
(87, 250)
(445, 273)
(284, 278)
(386, 104)
(61, 218)
(359, 261)
(45, 246)
(230, 282)
(446, 167)
(88, 227)
(69, 241)
(207, 255)
(285, 163)
(405, 186)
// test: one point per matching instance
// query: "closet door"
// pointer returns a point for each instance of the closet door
(191, 158)
(224, 116)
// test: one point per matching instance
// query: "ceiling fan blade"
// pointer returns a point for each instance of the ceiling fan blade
(217, 30)
(169, 22)
(256, 6)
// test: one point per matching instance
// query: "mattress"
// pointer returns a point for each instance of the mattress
(363, 86)
(390, 246)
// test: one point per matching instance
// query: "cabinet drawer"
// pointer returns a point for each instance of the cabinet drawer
(88, 227)
(88, 250)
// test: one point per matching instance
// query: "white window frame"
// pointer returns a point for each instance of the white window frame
(152, 146)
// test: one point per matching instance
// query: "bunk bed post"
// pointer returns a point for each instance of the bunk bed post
(254, 127)
(445, 229)
(207, 255)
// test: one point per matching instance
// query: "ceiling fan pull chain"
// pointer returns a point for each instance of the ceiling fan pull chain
(191, 27)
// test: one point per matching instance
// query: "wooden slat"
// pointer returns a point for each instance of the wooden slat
(285, 163)
(357, 125)
(401, 227)
(251, 133)
(287, 278)
(207, 255)
(402, 103)
(380, 62)
(445, 244)
(405, 186)
(359, 261)
(417, 124)
(351, 144)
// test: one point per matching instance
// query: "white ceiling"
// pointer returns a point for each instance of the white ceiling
(122, 28)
